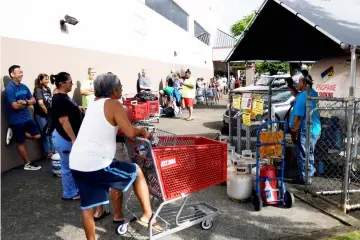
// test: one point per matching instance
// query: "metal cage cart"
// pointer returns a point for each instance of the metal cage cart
(174, 168)
(269, 186)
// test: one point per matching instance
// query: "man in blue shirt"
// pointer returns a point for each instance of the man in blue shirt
(144, 82)
(298, 127)
(17, 99)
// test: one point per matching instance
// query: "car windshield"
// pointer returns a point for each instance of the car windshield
(264, 81)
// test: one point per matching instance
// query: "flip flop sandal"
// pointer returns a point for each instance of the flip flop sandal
(189, 119)
(71, 199)
(155, 228)
(104, 214)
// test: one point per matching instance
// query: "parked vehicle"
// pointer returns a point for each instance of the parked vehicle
(262, 84)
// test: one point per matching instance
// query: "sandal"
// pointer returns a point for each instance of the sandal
(77, 197)
(104, 214)
(155, 228)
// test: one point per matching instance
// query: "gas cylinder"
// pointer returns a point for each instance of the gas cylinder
(239, 186)
(268, 187)
(56, 164)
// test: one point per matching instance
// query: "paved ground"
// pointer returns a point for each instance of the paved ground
(32, 207)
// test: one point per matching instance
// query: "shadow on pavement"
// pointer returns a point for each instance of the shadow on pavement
(32, 209)
(216, 125)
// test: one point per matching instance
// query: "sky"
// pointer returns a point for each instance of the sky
(232, 11)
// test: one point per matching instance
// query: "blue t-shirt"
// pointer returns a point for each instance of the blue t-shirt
(13, 93)
(300, 111)
(145, 81)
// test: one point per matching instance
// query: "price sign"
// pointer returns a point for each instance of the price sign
(236, 104)
(258, 107)
(246, 118)
(246, 101)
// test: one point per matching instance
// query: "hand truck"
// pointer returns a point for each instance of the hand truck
(271, 145)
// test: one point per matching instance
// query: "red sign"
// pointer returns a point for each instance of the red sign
(326, 87)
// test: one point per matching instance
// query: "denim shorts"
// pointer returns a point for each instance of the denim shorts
(94, 186)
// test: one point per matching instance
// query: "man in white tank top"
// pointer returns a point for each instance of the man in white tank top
(92, 156)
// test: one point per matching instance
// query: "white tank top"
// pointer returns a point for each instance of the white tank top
(95, 145)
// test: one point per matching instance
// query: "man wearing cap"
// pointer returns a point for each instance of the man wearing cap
(298, 127)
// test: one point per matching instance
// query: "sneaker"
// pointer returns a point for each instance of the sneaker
(31, 166)
(9, 135)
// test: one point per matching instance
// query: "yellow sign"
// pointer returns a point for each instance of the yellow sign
(258, 107)
(236, 102)
(246, 118)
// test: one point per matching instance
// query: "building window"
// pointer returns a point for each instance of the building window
(201, 33)
(170, 10)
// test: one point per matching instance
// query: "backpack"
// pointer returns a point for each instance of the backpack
(168, 112)
(177, 97)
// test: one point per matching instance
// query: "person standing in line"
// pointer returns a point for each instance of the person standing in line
(188, 93)
(42, 111)
(66, 121)
(17, 99)
(298, 128)
(171, 76)
(87, 88)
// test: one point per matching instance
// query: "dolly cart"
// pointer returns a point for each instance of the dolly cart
(175, 167)
(270, 145)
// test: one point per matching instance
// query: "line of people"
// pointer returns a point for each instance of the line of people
(87, 155)
(18, 98)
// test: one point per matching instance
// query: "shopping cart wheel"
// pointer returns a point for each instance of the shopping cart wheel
(122, 229)
(289, 199)
(257, 202)
(207, 224)
(158, 120)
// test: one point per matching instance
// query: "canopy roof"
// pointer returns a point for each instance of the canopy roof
(299, 30)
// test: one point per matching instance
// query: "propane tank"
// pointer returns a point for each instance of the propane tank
(268, 187)
(56, 164)
(239, 186)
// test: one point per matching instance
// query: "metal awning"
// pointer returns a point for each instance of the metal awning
(299, 30)
(224, 40)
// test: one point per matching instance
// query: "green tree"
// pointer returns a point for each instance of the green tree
(238, 28)
(272, 67)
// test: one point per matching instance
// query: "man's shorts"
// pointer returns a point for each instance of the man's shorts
(20, 129)
(94, 186)
(189, 102)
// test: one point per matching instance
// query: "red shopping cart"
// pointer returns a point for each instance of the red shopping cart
(174, 168)
(136, 111)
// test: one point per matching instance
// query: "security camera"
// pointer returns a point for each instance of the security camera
(70, 20)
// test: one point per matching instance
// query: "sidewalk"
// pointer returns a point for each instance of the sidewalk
(32, 207)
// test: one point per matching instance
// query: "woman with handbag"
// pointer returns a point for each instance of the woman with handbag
(42, 112)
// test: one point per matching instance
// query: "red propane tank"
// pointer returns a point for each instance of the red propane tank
(268, 171)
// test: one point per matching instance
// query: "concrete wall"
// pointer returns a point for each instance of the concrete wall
(220, 54)
(121, 36)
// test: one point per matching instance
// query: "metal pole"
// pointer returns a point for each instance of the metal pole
(230, 107)
(307, 140)
(350, 119)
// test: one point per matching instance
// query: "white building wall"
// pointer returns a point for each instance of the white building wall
(125, 27)
(220, 54)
